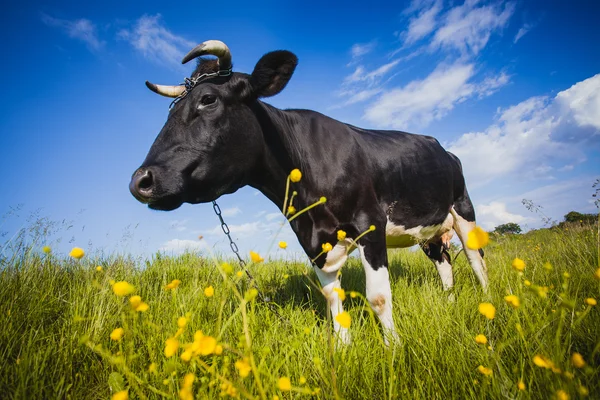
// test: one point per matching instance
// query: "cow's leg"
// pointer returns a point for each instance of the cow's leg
(464, 222)
(437, 252)
(373, 254)
(328, 276)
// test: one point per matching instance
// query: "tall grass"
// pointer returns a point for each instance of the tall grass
(57, 314)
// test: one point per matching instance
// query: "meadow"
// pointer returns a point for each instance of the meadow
(73, 328)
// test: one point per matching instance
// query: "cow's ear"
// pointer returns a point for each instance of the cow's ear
(272, 73)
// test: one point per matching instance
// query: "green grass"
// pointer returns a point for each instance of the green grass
(56, 316)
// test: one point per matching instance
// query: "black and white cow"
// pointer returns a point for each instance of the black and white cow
(220, 136)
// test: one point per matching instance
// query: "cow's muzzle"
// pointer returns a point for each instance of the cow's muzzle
(142, 184)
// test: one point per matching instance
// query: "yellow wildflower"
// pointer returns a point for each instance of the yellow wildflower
(206, 345)
(547, 266)
(77, 252)
(122, 395)
(137, 304)
(341, 293)
(123, 288)
(372, 228)
(284, 384)
(255, 257)
(485, 371)
(341, 235)
(597, 274)
(283, 245)
(562, 395)
(185, 393)
(251, 294)
(227, 389)
(186, 355)
(590, 301)
(302, 380)
(209, 291)
(477, 238)
(566, 275)
(117, 334)
(521, 385)
(99, 268)
(353, 294)
(152, 368)
(243, 367)
(344, 319)
(577, 360)
(327, 247)
(518, 264)
(527, 283)
(512, 301)
(239, 274)
(227, 268)
(171, 347)
(291, 210)
(275, 397)
(295, 175)
(481, 339)
(488, 310)
(542, 361)
(182, 322)
(583, 391)
(218, 349)
(46, 249)
(173, 285)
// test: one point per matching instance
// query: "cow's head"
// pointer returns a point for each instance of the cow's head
(212, 140)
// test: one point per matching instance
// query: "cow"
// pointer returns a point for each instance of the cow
(220, 136)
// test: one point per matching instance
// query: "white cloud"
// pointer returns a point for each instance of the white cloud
(156, 42)
(360, 49)
(82, 29)
(522, 31)
(182, 245)
(231, 212)
(531, 135)
(467, 28)
(422, 101)
(495, 213)
(423, 24)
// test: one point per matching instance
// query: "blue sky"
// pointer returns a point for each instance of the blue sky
(511, 87)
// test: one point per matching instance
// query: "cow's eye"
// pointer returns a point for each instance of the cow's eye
(208, 99)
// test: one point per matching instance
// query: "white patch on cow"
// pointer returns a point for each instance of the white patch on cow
(379, 295)
(462, 228)
(329, 281)
(445, 270)
(337, 256)
(399, 236)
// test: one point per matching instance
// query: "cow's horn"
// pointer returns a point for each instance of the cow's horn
(213, 47)
(167, 91)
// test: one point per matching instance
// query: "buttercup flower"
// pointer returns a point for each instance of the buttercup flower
(255, 257)
(323, 199)
(521, 385)
(171, 347)
(518, 264)
(327, 247)
(542, 361)
(344, 319)
(488, 310)
(123, 288)
(99, 268)
(485, 371)
(284, 384)
(295, 175)
(372, 228)
(77, 252)
(206, 345)
(182, 322)
(341, 235)
(590, 301)
(251, 294)
(597, 274)
(341, 293)
(477, 238)
(46, 249)
(283, 245)
(577, 360)
(239, 274)
(481, 339)
(209, 291)
(173, 285)
(227, 268)
(243, 367)
(185, 393)
(562, 395)
(291, 210)
(117, 334)
(121, 395)
(137, 304)
(513, 301)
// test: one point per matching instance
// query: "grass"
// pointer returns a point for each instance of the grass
(56, 315)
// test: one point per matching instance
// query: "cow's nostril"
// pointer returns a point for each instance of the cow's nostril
(145, 181)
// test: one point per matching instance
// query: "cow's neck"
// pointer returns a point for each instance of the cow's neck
(282, 153)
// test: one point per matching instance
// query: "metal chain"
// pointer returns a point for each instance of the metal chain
(243, 263)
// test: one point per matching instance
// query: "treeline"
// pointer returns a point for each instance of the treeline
(573, 217)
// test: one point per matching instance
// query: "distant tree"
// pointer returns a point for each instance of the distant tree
(509, 227)
(575, 216)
